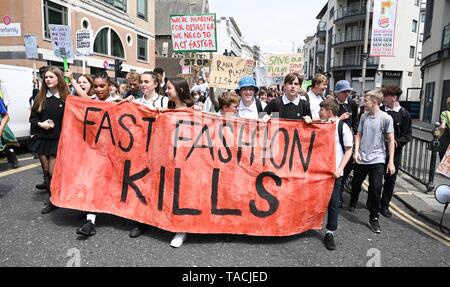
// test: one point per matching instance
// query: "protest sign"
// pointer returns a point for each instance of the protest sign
(194, 33)
(444, 166)
(227, 71)
(383, 30)
(61, 41)
(31, 49)
(85, 43)
(283, 64)
(187, 171)
(306, 84)
(10, 30)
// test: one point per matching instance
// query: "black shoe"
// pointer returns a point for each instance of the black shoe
(329, 241)
(41, 186)
(49, 208)
(88, 229)
(385, 212)
(374, 225)
(351, 208)
(137, 231)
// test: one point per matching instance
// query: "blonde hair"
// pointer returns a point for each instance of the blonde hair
(375, 95)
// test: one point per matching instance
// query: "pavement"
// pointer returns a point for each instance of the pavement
(414, 196)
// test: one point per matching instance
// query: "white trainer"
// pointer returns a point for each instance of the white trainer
(178, 240)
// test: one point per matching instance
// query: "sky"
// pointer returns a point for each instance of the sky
(276, 26)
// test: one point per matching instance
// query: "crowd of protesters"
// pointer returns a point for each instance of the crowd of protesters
(368, 141)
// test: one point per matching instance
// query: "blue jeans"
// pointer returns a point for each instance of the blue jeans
(333, 206)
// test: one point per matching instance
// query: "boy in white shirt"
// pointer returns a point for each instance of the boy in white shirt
(344, 143)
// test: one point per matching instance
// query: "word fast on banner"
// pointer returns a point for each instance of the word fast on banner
(383, 28)
(194, 33)
(61, 40)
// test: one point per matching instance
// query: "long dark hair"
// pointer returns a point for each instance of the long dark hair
(63, 90)
(183, 92)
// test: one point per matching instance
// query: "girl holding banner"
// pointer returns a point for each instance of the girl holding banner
(101, 85)
(152, 100)
(81, 87)
(180, 98)
(46, 122)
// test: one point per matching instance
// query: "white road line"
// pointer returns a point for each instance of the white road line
(20, 169)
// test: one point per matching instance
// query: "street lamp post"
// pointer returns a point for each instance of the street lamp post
(365, 51)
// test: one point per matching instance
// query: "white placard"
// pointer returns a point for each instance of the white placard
(10, 30)
(85, 43)
(61, 40)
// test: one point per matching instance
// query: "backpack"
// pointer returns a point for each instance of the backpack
(341, 135)
(384, 122)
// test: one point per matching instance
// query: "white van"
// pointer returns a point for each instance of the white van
(18, 82)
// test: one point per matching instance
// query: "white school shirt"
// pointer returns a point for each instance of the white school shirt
(250, 112)
(348, 141)
(154, 103)
(314, 104)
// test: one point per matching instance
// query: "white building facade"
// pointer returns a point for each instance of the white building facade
(338, 46)
(435, 60)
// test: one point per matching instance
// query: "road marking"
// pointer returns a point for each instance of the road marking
(20, 169)
(20, 159)
(416, 223)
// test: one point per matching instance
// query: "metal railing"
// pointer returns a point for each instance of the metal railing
(353, 60)
(356, 9)
(419, 157)
(353, 36)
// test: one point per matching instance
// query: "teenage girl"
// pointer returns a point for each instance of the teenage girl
(46, 122)
(179, 98)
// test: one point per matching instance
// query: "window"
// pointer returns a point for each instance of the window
(108, 43)
(142, 9)
(142, 48)
(414, 26)
(412, 51)
(331, 13)
(422, 17)
(416, 2)
(428, 18)
(429, 97)
(54, 14)
(119, 4)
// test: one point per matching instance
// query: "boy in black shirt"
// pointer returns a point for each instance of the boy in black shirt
(403, 134)
(289, 106)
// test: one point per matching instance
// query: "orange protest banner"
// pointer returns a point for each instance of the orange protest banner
(186, 171)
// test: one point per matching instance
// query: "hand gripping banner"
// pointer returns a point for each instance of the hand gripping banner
(186, 171)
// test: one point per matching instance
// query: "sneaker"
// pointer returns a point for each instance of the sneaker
(385, 212)
(88, 229)
(49, 208)
(137, 231)
(374, 225)
(329, 241)
(178, 240)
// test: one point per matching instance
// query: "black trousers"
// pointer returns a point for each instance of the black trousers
(375, 172)
(333, 206)
(389, 180)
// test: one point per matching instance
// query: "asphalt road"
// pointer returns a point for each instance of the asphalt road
(28, 238)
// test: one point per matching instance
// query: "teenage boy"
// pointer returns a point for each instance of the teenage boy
(249, 107)
(344, 143)
(290, 105)
(316, 95)
(403, 135)
(370, 154)
(348, 113)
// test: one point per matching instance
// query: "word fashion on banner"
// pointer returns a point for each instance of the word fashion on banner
(187, 171)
